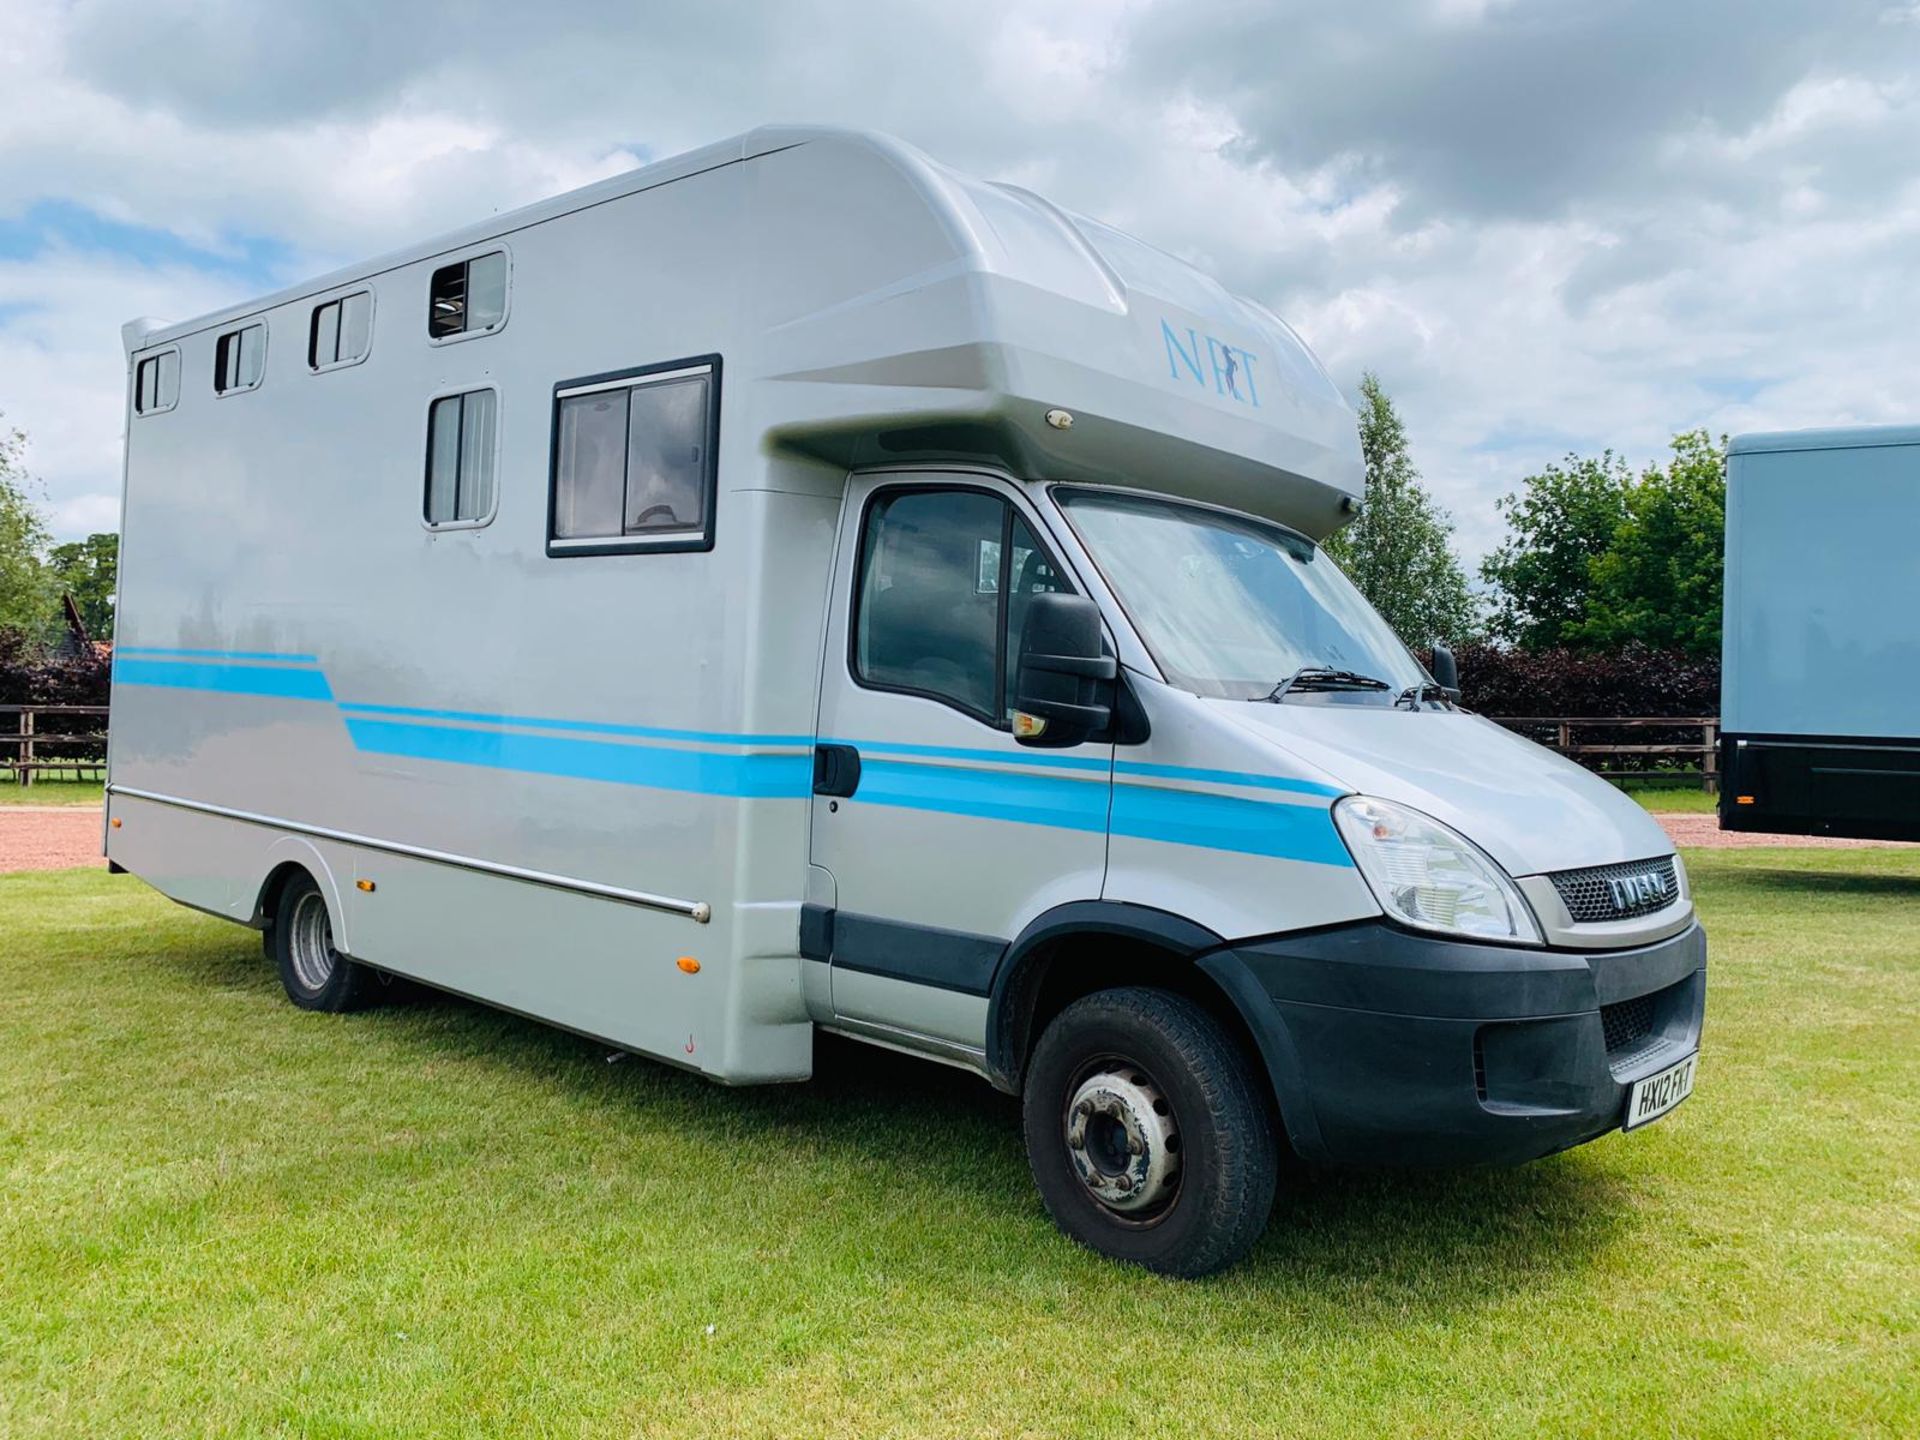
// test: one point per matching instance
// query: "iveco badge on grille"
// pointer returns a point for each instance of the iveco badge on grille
(1626, 891)
(1631, 892)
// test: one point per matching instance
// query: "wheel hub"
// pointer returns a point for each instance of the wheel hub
(310, 939)
(1122, 1141)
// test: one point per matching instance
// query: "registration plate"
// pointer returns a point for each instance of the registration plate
(1654, 1096)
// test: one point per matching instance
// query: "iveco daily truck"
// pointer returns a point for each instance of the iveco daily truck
(1820, 672)
(796, 587)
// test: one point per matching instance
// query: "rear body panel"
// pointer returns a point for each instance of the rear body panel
(1820, 707)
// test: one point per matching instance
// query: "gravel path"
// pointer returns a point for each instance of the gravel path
(1703, 832)
(44, 837)
(49, 837)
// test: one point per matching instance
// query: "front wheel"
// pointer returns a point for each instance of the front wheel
(1147, 1137)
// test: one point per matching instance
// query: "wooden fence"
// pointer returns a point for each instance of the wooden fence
(1630, 748)
(72, 740)
(68, 740)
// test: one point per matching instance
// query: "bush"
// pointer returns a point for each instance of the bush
(31, 675)
(1636, 680)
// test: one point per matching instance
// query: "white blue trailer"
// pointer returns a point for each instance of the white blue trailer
(797, 587)
(1820, 644)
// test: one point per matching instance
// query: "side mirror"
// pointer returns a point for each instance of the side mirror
(1064, 682)
(1445, 672)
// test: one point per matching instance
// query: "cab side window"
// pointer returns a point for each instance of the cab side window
(942, 587)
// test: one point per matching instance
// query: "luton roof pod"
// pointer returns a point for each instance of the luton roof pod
(915, 313)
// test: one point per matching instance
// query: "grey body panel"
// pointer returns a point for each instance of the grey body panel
(296, 646)
(559, 777)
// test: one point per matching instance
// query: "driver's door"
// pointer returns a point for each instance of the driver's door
(943, 836)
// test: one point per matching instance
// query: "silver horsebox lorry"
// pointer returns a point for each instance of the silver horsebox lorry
(1820, 645)
(796, 587)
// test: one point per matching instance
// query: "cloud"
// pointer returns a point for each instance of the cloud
(1524, 111)
(1544, 224)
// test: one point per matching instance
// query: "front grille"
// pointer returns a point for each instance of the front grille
(1618, 892)
(1626, 1023)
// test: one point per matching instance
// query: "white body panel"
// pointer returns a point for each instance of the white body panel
(544, 780)
(1530, 809)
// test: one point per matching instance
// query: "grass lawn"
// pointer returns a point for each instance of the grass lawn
(1673, 799)
(50, 792)
(221, 1216)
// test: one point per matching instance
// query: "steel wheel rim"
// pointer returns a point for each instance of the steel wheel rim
(1123, 1141)
(310, 942)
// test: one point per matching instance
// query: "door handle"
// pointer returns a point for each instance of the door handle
(836, 770)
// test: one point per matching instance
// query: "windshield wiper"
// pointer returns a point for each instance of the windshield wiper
(1323, 677)
(1414, 696)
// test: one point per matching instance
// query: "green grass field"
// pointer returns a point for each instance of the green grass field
(220, 1216)
(50, 792)
(1673, 799)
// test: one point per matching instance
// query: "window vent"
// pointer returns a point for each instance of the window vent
(468, 298)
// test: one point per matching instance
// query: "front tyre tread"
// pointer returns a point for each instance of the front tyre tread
(1229, 1156)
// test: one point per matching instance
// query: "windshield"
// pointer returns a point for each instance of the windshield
(1229, 605)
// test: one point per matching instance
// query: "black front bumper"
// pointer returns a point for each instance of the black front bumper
(1387, 1047)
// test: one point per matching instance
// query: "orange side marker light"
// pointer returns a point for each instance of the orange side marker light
(1743, 799)
(115, 822)
(366, 885)
(688, 964)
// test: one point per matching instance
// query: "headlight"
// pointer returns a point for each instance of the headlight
(1425, 875)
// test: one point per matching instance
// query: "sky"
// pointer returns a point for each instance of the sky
(1547, 225)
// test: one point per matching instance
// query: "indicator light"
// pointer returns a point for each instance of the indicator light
(366, 885)
(688, 964)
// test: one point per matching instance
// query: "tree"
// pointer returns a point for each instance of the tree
(1400, 551)
(87, 570)
(1660, 581)
(26, 597)
(1559, 523)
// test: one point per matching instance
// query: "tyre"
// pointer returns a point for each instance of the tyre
(314, 974)
(1147, 1136)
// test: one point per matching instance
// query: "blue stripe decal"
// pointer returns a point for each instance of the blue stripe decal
(278, 681)
(1144, 812)
(1228, 777)
(588, 727)
(697, 772)
(1227, 822)
(951, 752)
(985, 794)
(269, 655)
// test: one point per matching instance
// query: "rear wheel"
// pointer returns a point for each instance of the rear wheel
(1147, 1137)
(315, 975)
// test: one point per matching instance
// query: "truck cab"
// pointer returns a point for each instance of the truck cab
(1091, 754)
